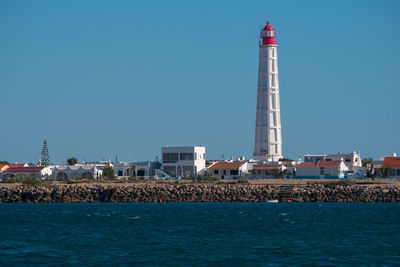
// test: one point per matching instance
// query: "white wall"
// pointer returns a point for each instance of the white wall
(242, 172)
(197, 165)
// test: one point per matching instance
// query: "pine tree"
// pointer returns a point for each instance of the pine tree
(45, 155)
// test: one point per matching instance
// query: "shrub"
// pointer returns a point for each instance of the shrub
(242, 181)
(31, 181)
(76, 181)
(344, 182)
(207, 177)
(11, 180)
(108, 172)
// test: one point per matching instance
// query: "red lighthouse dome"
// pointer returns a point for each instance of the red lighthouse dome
(268, 27)
(268, 34)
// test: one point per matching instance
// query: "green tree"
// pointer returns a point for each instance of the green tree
(285, 159)
(385, 171)
(108, 172)
(72, 161)
(45, 155)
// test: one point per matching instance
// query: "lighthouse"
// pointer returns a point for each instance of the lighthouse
(268, 134)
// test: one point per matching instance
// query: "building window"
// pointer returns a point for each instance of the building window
(347, 160)
(204, 155)
(170, 157)
(224, 172)
(186, 156)
(119, 173)
(216, 172)
(322, 171)
(398, 172)
(234, 172)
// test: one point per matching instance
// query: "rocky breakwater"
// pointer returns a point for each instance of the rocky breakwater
(198, 193)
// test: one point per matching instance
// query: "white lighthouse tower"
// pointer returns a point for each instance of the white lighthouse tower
(268, 138)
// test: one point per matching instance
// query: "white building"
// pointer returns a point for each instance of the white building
(351, 160)
(183, 161)
(358, 173)
(268, 134)
(64, 172)
(321, 169)
(127, 169)
(229, 169)
(25, 172)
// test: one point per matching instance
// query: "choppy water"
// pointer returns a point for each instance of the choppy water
(200, 234)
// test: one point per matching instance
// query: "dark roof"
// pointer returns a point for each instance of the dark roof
(25, 169)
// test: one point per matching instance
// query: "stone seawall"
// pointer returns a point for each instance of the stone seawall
(199, 193)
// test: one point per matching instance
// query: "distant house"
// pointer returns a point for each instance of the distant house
(229, 169)
(351, 160)
(4, 167)
(64, 172)
(22, 172)
(358, 172)
(393, 163)
(126, 169)
(267, 170)
(307, 170)
(183, 161)
(322, 169)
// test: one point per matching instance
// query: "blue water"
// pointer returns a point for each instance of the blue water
(218, 234)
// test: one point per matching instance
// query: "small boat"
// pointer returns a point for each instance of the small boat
(273, 201)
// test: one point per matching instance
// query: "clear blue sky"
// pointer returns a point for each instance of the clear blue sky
(100, 78)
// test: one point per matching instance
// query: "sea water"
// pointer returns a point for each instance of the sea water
(200, 234)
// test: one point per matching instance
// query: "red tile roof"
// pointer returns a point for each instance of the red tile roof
(224, 165)
(11, 165)
(25, 169)
(391, 162)
(324, 163)
(307, 164)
